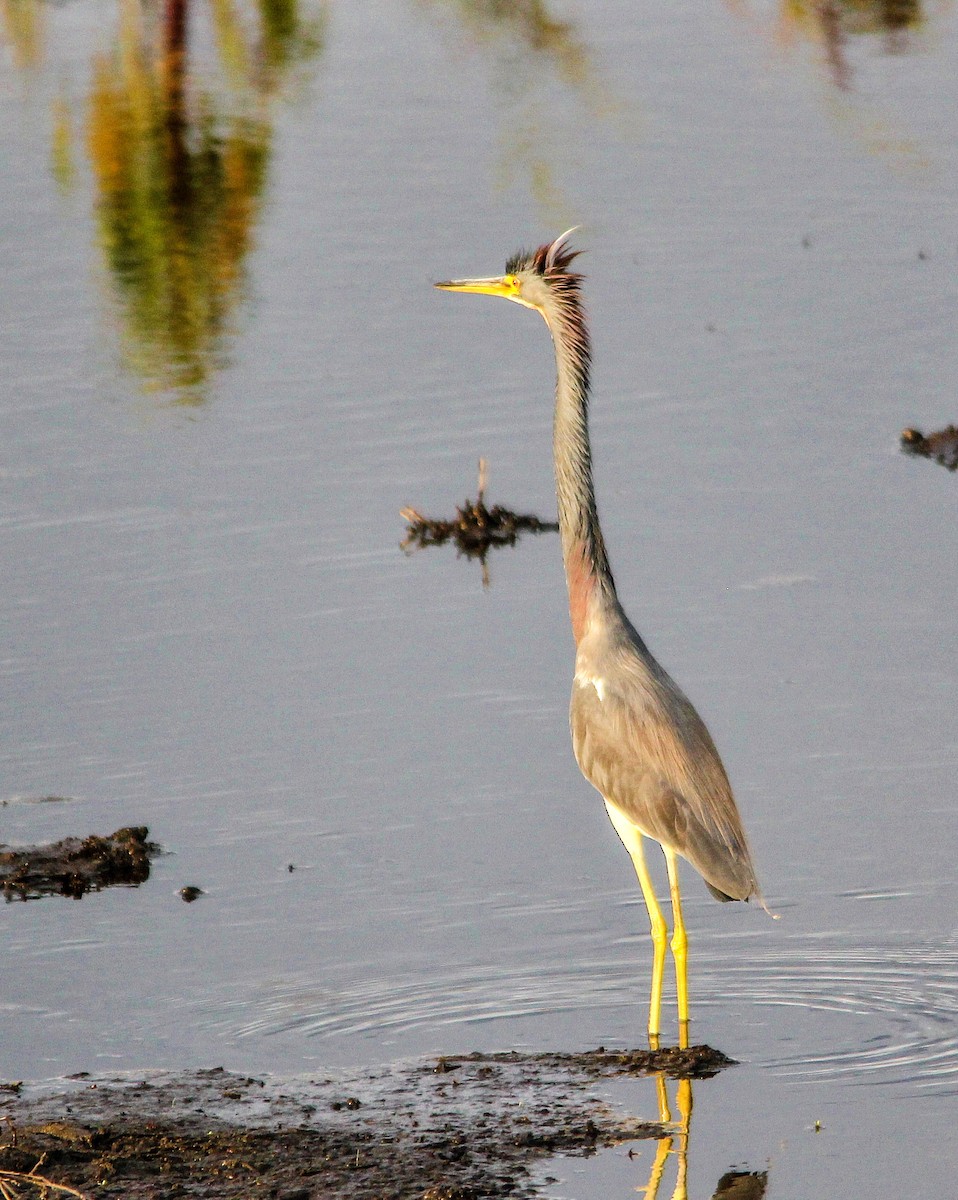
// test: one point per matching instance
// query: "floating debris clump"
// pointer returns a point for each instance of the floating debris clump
(475, 529)
(941, 446)
(74, 866)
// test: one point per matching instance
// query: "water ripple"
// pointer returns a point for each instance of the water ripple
(871, 1014)
(896, 1009)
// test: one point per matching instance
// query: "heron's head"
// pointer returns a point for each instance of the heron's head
(539, 280)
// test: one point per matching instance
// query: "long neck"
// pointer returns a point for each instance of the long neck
(583, 548)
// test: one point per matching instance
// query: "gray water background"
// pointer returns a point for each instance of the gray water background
(208, 626)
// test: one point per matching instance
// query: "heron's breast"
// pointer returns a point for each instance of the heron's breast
(596, 742)
(584, 678)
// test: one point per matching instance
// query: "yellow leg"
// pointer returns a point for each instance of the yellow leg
(680, 944)
(632, 840)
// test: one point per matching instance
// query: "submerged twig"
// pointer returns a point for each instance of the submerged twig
(12, 1181)
(942, 446)
(475, 529)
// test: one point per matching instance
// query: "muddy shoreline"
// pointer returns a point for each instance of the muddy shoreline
(454, 1128)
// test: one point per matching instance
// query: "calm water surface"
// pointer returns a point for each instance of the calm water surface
(224, 372)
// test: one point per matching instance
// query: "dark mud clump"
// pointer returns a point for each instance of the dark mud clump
(457, 1128)
(741, 1185)
(74, 866)
(475, 529)
(693, 1062)
(941, 446)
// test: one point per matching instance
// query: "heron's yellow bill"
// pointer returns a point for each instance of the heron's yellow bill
(503, 285)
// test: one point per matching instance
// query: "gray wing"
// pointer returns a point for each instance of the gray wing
(639, 741)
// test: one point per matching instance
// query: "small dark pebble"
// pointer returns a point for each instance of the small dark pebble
(191, 893)
(741, 1185)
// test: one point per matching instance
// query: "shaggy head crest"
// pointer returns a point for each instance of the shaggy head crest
(551, 260)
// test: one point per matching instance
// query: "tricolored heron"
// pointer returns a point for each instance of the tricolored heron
(636, 737)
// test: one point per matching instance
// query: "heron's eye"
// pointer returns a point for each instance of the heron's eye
(514, 282)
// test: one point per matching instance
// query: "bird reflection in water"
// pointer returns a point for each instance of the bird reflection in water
(733, 1185)
(636, 737)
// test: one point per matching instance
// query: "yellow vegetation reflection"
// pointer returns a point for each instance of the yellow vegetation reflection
(178, 140)
(180, 172)
(176, 195)
(528, 49)
(23, 25)
(843, 33)
(831, 24)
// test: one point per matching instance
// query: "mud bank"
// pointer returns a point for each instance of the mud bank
(457, 1128)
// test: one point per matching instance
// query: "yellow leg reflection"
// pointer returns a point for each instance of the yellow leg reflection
(665, 1116)
(632, 840)
(674, 1142)
(662, 1150)
(679, 1139)
(683, 1099)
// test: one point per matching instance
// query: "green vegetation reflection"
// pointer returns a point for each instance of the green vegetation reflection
(180, 171)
